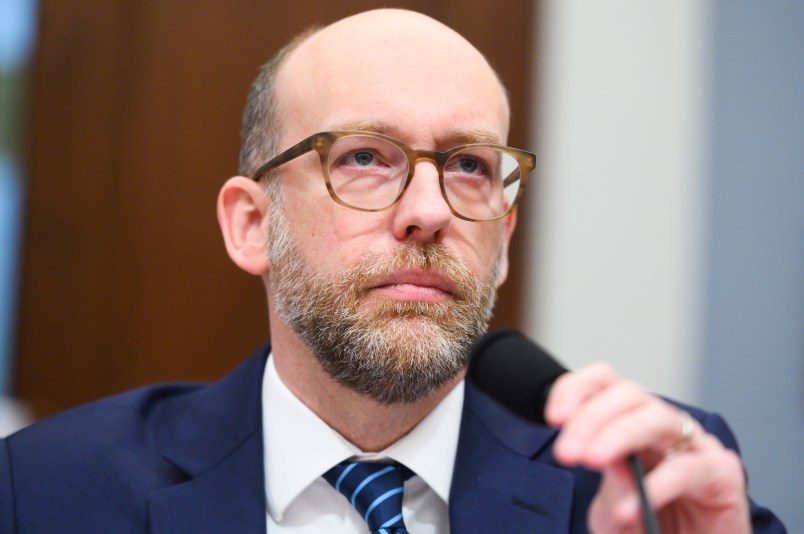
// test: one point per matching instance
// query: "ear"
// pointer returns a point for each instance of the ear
(510, 224)
(242, 209)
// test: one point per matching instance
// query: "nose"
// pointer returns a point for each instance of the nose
(422, 214)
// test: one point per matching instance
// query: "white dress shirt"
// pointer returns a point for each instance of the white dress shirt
(300, 447)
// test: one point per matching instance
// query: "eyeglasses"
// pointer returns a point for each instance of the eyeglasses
(367, 171)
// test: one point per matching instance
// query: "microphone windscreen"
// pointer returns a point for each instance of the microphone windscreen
(515, 372)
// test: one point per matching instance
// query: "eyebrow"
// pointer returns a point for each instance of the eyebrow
(466, 137)
(362, 126)
(461, 137)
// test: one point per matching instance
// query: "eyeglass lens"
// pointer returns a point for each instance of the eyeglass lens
(369, 173)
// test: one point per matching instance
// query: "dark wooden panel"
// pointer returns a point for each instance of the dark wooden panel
(133, 128)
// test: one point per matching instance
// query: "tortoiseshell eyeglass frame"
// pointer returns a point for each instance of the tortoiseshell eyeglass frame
(322, 142)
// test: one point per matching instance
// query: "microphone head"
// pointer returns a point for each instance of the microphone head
(515, 372)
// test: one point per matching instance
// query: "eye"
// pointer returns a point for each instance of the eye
(468, 165)
(363, 158)
(357, 154)
(360, 158)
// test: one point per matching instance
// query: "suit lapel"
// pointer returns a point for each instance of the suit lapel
(217, 449)
(504, 479)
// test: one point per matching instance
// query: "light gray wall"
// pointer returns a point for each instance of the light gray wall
(754, 317)
(617, 262)
(671, 211)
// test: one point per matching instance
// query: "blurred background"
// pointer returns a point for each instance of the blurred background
(664, 232)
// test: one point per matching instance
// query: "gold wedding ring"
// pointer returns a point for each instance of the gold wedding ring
(687, 431)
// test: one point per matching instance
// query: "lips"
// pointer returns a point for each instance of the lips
(415, 285)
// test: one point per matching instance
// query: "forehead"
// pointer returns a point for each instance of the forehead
(420, 80)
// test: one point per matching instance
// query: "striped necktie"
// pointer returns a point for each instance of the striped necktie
(375, 490)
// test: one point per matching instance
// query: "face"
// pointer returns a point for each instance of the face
(392, 350)
(389, 302)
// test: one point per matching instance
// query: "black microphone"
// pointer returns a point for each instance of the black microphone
(515, 372)
(518, 374)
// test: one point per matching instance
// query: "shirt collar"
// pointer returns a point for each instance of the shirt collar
(299, 447)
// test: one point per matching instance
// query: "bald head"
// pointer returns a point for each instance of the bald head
(387, 62)
(375, 68)
(382, 26)
(398, 37)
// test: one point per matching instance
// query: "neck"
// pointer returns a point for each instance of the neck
(367, 424)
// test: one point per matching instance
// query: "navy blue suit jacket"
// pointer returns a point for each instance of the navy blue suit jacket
(188, 459)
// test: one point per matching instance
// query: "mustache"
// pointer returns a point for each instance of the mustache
(432, 257)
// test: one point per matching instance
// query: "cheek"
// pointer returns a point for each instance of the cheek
(489, 247)
(332, 237)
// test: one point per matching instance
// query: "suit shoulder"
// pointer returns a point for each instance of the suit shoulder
(89, 468)
(136, 416)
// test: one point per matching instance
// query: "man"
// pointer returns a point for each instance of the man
(380, 264)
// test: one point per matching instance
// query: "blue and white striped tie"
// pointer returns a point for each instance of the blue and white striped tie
(375, 490)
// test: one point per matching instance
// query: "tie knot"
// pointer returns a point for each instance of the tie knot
(375, 490)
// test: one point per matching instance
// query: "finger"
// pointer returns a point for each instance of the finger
(583, 428)
(649, 429)
(710, 478)
(607, 513)
(573, 389)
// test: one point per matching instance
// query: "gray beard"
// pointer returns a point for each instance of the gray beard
(393, 352)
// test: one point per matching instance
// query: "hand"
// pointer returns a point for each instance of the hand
(698, 489)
